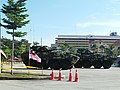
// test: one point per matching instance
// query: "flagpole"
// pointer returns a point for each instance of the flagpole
(29, 50)
(29, 57)
(28, 60)
(41, 41)
(0, 29)
(29, 45)
(0, 44)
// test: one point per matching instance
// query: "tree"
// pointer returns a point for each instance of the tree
(102, 48)
(94, 48)
(6, 46)
(35, 43)
(68, 48)
(110, 50)
(118, 49)
(15, 18)
(20, 47)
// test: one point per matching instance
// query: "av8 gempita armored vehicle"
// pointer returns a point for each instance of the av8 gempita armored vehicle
(53, 58)
(89, 58)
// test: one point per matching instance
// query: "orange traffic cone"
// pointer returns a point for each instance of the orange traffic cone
(60, 75)
(52, 75)
(70, 76)
(76, 76)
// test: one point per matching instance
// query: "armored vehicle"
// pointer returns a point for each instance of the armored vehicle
(60, 59)
(42, 52)
(89, 58)
(53, 58)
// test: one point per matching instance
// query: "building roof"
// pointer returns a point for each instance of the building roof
(90, 37)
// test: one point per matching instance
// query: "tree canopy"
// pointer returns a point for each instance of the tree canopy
(20, 46)
(15, 16)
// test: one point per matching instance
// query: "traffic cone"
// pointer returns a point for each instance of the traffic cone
(70, 76)
(76, 76)
(52, 75)
(60, 75)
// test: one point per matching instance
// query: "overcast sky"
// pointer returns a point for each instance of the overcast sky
(50, 18)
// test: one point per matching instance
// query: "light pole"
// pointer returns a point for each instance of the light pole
(0, 43)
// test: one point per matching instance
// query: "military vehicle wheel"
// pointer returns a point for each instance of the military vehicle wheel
(87, 64)
(107, 64)
(45, 65)
(54, 64)
(64, 64)
(78, 64)
(97, 64)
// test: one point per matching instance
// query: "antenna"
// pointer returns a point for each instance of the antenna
(33, 34)
(30, 34)
(41, 41)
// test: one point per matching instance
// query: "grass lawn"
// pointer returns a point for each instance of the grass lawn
(8, 75)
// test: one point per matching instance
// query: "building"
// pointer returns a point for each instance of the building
(85, 41)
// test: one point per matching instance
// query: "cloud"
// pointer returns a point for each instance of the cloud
(107, 24)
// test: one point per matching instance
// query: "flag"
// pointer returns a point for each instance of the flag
(34, 56)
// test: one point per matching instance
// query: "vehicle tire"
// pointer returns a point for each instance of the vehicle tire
(86, 63)
(54, 64)
(78, 64)
(44, 65)
(97, 64)
(65, 64)
(107, 64)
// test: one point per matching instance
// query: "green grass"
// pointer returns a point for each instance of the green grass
(20, 75)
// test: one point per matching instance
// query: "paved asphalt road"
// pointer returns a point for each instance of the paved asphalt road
(89, 79)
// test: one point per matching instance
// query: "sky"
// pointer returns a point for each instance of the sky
(50, 18)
